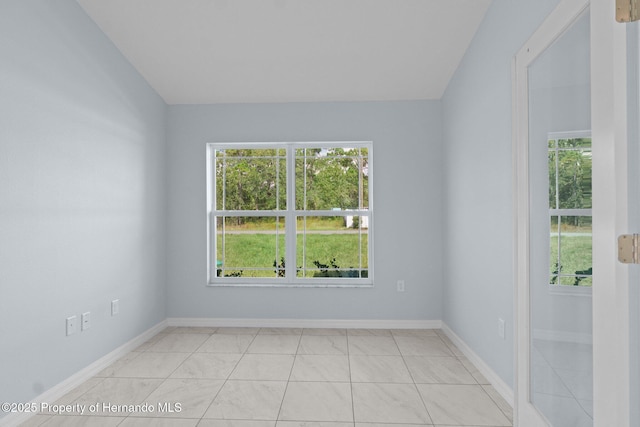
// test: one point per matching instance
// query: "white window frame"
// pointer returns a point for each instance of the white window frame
(290, 214)
(558, 289)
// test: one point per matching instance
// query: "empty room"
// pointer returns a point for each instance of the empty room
(319, 213)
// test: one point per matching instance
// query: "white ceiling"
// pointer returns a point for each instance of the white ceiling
(231, 51)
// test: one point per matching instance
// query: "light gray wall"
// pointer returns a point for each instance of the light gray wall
(81, 195)
(407, 208)
(478, 271)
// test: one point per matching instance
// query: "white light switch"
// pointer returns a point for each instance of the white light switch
(115, 307)
(71, 325)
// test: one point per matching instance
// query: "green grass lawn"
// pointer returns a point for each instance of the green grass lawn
(576, 255)
(312, 223)
(243, 251)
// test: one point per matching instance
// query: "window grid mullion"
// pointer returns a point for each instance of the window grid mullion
(290, 223)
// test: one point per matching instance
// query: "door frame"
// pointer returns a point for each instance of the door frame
(611, 216)
(610, 291)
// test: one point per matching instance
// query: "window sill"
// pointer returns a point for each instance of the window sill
(579, 291)
(263, 284)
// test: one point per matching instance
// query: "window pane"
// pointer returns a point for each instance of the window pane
(332, 178)
(250, 246)
(576, 280)
(571, 260)
(251, 179)
(572, 143)
(552, 180)
(575, 245)
(554, 261)
(574, 177)
(327, 247)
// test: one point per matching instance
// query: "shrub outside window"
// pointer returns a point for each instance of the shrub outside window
(294, 214)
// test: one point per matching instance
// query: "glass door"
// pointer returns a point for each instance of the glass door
(560, 227)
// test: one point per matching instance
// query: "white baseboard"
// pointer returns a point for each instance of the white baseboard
(501, 387)
(65, 386)
(305, 323)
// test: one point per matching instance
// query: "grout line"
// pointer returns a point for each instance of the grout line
(415, 386)
(224, 382)
(353, 403)
(286, 387)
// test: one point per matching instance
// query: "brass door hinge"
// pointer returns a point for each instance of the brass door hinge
(629, 248)
(627, 10)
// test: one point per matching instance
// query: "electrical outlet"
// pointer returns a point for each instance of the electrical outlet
(501, 328)
(400, 285)
(115, 307)
(71, 325)
(86, 321)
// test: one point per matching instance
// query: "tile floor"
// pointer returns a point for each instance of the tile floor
(562, 374)
(250, 377)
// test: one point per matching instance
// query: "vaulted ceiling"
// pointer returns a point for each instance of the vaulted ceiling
(244, 51)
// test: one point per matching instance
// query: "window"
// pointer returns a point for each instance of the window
(570, 208)
(290, 214)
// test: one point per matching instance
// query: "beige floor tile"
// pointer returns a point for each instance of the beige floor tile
(323, 344)
(274, 344)
(179, 343)
(192, 395)
(151, 365)
(379, 369)
(422, 346)
(35, 420)
(317, 401)
(118, 391)
(373, 346)
(294, 377)
(324, 331)
(237, 331)
(280, 331)
(369, 332)
(312, 424)
(473, 370)
(111, 369)
(388, 403)
(320, 368)
(438, 370)
(461, 404)
(152, 341)
(504, 406)
(207, 365)
(226, 343)
(235, 423)
(454, 349)
(133, 421)
(78, 391)
(248, 400)
(84, 421)
(390, 425)
(264, 367)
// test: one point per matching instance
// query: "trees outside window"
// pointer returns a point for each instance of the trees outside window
(290, 213)
(570, 203)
